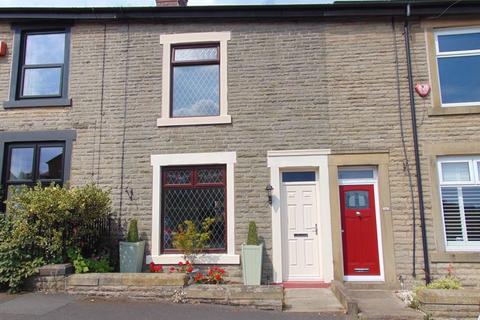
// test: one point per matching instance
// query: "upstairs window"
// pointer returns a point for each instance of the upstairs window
(458, 64)
(40, 68)
(460, 201)
(195, 81)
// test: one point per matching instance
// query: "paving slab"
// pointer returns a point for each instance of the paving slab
(35, 304)
(383, 304)
(318, 300)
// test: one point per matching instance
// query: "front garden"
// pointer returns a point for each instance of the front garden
(56, 225)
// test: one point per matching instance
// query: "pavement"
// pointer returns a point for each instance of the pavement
(40, 306)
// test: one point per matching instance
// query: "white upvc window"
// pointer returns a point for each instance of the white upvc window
(458, 63)
(194, 79)
(460, 202)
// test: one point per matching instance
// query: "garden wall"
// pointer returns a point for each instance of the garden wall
(153, 286)
(441, 304)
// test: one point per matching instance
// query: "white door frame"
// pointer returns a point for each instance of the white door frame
(374, 182)
(292, 160)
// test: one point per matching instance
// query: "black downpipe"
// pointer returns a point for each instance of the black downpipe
(421, 205)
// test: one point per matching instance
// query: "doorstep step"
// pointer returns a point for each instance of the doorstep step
(317, 300)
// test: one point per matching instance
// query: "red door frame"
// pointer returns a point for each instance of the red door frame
(359, 234)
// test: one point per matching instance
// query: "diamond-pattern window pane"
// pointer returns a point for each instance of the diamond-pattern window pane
(196, 91)
(180, 176)
(195, 204)
(210, 175)
(196, 54)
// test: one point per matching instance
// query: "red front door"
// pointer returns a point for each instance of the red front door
(359, 231)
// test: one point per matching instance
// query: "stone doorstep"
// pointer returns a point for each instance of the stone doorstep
(456, 297)
(127, 279)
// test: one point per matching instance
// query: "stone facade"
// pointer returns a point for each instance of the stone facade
(328, 84)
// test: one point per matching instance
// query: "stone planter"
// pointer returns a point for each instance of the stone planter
(252, 264)
(131, 256)
(459, 304)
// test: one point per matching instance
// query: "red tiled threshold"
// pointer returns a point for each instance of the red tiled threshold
(305, 284)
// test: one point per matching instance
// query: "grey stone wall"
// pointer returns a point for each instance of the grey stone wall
(292, 85)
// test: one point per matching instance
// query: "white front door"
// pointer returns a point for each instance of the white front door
(300, 232)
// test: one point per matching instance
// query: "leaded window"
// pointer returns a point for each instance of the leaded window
(194, 193)
(195, 81)
(460, 201)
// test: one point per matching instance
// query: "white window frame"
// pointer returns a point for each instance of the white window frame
(464, 245)
(169, 40)
(161, 160)
(448, 54)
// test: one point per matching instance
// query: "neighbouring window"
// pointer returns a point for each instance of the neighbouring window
(40, 68)
(29, 163)
(195, 81)
(458, 63)
(460, 201)
(194, 193)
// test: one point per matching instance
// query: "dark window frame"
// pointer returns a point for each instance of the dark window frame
(208, 62)
(16, 100)
(193, 185)
(65, 137)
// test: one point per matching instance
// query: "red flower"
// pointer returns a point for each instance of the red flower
(180, 263)
(218, 277)
(187, 263)
(172, 269)
(190, 269)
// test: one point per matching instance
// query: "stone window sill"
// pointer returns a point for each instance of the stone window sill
(193, 121)
(467, 257)
(36, 103)
(445, 111)
(201, 259)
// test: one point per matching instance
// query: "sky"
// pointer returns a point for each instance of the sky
(141, 3)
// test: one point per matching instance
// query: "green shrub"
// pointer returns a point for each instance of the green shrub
(82, 265)
(78, 261)
(449, 282)
(191, 240)
(38, 219)
(99, 264)
(252, 238)
(132, 235)
(16, 263)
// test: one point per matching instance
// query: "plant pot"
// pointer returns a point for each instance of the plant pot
(252, 264)
(131, 256)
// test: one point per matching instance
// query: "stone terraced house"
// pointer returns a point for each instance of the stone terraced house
(194, 112)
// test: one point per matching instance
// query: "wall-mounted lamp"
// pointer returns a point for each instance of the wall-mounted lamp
(269, 189)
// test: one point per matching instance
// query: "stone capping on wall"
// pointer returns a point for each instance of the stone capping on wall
(153, 286)
(450, 304)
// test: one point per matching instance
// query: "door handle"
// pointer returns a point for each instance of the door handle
(316, 229)
(358, 214)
